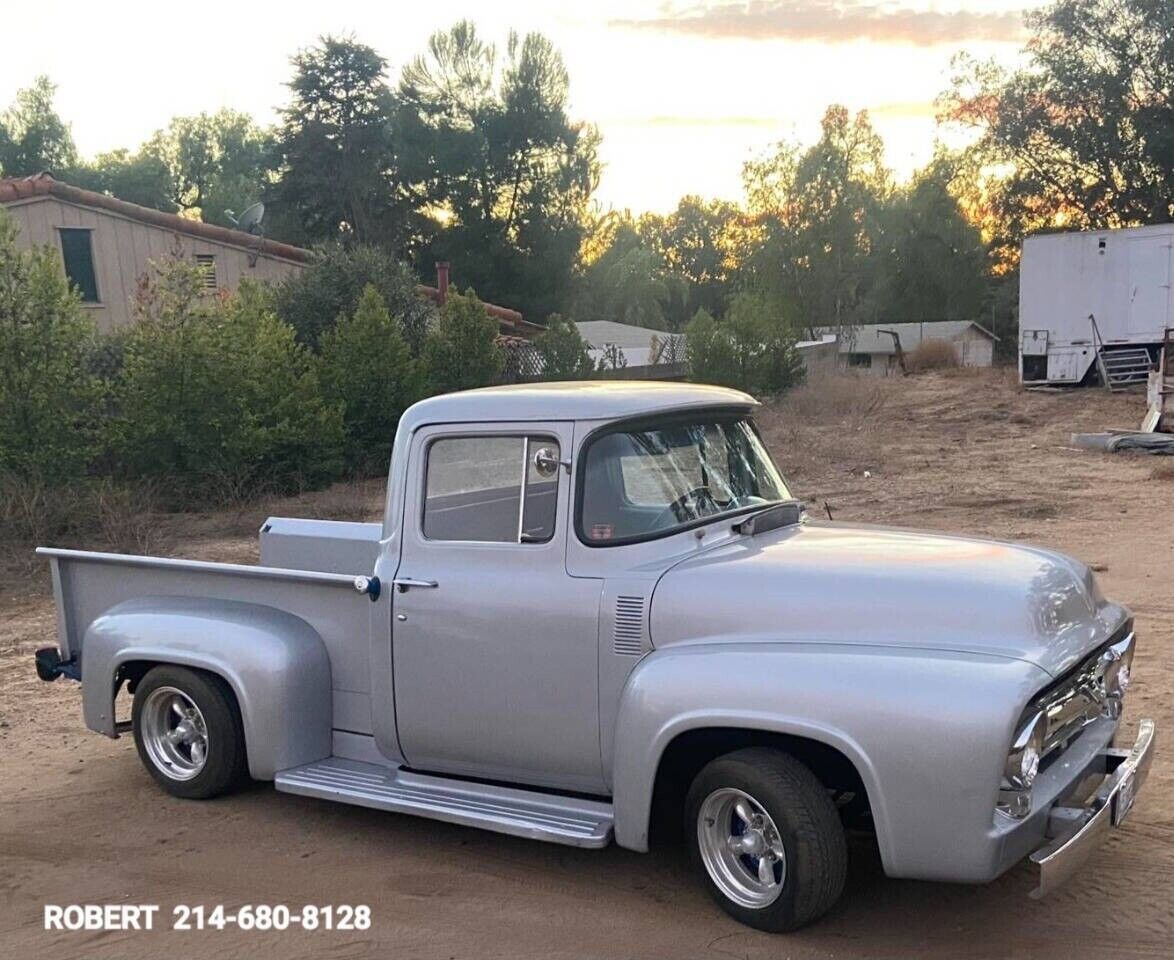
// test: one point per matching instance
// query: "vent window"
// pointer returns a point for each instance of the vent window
(77, 251)
(206, 264)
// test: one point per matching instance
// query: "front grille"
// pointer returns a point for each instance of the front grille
(1076, 699)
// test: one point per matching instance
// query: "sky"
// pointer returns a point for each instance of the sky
(683, 92)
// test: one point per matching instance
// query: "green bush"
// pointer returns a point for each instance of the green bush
(218, 394)
(460, 352)
(563, 351)
(750, 349)
(48, 397)
(366, 368)
(331, 287)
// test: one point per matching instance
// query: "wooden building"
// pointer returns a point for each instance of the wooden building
(105, 243)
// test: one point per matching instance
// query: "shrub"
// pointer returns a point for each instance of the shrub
(331, 287)
(563, 351)
(366, 368)
(47, 394)
(931, 355)
(460, 351)
(219, 394)
(750, 349)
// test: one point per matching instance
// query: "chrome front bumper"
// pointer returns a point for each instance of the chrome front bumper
(1075, 832)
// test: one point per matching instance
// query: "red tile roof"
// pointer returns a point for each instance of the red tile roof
(43, 185)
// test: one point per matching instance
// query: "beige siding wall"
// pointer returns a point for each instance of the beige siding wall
(122, 247)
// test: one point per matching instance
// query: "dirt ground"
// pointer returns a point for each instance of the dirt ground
(80, 821)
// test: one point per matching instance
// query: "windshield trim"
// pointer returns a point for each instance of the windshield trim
(730, 413)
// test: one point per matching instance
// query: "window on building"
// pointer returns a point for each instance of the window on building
(78, 252)
(860, 360)
(206, 262)
(491, 489)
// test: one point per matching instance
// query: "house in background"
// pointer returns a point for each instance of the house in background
(105, 244)
(642, 347)
(870, 347)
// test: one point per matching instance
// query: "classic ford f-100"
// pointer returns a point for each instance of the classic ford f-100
(595, 609)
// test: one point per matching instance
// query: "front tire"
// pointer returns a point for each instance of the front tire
(188, 732)
(765, 839)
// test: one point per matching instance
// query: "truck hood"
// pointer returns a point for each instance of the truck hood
(843, 583)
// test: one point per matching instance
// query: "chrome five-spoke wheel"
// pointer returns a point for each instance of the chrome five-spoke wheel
(741, 848)
(175, 734)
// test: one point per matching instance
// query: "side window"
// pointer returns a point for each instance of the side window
(491, 489)
(78, 253)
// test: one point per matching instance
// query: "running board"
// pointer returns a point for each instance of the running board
(521, 813)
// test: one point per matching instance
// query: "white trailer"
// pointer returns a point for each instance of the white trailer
(1105, 293)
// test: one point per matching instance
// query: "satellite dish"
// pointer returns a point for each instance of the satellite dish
(250, 220)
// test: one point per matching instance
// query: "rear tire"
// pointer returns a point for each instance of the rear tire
(188, 732)
(765, 839)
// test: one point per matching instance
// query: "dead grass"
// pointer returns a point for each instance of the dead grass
(932, 355)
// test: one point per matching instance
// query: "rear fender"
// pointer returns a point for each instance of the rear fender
(275, 663)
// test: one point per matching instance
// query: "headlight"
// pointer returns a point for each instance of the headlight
(1026, 749)
(1118, 667)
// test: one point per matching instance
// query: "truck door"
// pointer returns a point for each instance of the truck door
(494, 645)
(1151, 300)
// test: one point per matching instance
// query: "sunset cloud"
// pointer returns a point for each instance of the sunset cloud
(833, 21)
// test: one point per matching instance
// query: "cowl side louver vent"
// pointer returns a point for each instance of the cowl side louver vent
(628, 636)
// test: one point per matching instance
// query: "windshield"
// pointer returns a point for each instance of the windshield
(661, 478)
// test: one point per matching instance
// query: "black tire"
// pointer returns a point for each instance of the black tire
(812, 836)
(226, 762)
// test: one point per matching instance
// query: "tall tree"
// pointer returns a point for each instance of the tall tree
(503, 175)
(1086, 128)
(932, 263)
(816, 217)
(141, 178)
(33, 138)
(336, 148)
(701, 242)
(215, 162)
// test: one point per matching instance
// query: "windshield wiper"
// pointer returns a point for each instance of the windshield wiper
(781, 514)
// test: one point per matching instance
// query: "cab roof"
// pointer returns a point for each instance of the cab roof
(571, 400)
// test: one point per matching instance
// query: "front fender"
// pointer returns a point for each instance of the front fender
(275, 663)
(927, 732)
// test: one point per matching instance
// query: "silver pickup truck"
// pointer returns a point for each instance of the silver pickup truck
(594, 610)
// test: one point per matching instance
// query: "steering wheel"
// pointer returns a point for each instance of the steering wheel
(675, 510)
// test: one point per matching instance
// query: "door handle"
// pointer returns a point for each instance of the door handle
(403, 583)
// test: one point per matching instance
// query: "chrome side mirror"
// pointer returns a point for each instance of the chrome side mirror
(546, 461)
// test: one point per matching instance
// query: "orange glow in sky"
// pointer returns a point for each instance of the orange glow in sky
(683, 93)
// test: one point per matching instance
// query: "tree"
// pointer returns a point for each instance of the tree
(336, 149)
(312, 299)
(460, 352)
(141, 178)
(751, 348)
(502, 175)
(1086, 128)
(215, 162)
(366, 368)
(563, 351)
(701, 242)
(33, 138)
(815, 213)
(47, 395)
(933, 263)
(217, 395)
(628, 281)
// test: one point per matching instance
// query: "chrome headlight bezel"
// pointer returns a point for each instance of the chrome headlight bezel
(1027, 748)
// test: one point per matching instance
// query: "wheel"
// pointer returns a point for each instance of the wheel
(765, 839)
(188, 732)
